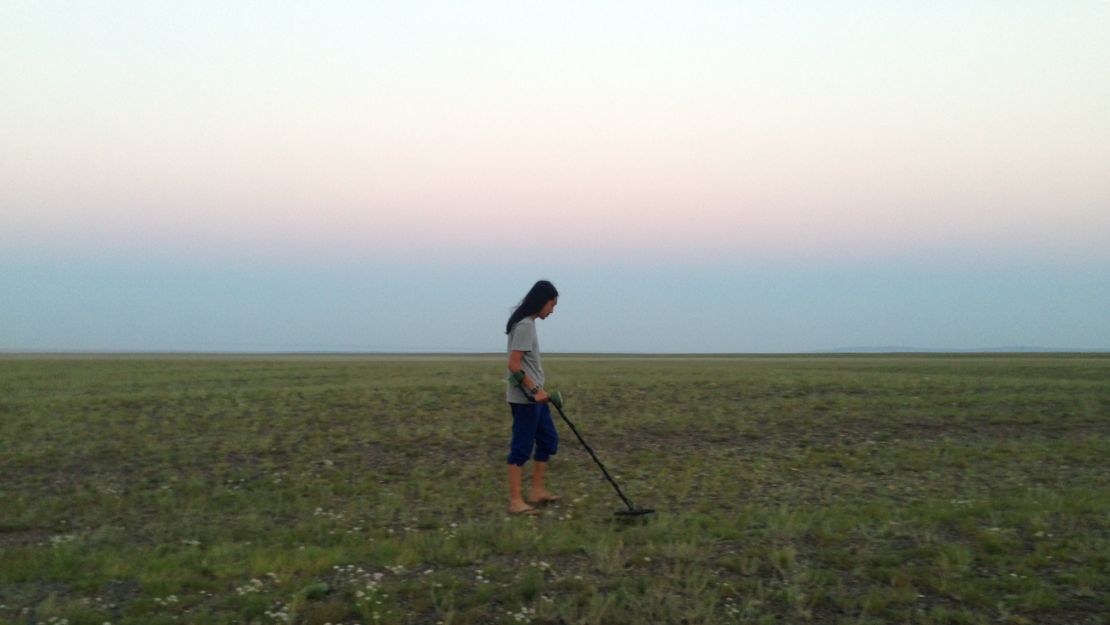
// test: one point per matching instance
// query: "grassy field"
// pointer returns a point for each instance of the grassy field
(863, 489)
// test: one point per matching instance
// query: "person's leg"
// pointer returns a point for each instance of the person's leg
(516, 502)
(547, 444)
(538, 492)
(524, 439)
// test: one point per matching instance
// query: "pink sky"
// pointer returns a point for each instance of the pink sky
(695, 133)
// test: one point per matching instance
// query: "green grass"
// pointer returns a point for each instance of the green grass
(865, 489)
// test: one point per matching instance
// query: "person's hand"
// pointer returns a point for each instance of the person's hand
(542, 397)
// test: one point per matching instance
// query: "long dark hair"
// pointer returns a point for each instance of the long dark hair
(541, 292)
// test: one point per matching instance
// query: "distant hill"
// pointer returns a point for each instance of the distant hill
(1010, 349)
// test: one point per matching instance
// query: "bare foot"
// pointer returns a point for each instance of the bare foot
(542, 497)
(519, 507)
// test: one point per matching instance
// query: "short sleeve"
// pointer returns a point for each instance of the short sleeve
(523, 336)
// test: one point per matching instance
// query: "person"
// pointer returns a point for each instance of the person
(533, 433)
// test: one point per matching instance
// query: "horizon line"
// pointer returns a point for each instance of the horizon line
(1025, 350)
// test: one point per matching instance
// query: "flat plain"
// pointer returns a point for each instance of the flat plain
(371, 489)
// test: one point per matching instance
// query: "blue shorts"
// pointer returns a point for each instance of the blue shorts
(533, 429)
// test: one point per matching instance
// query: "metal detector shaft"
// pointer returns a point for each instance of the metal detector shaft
(594, 456)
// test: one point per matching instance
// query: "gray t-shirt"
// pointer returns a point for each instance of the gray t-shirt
(522, 338)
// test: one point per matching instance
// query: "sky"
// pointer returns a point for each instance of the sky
(693, 177)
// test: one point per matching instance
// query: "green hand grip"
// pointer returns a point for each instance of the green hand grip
(557, 399)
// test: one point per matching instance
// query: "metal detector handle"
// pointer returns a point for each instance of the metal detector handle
(517, 379)
(555, 399)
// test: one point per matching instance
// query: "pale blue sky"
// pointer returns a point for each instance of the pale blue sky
(695, 177)
(314, 307)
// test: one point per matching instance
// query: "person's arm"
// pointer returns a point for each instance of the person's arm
(515, 365)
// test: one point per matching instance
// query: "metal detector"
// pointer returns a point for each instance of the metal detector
(557, 401)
